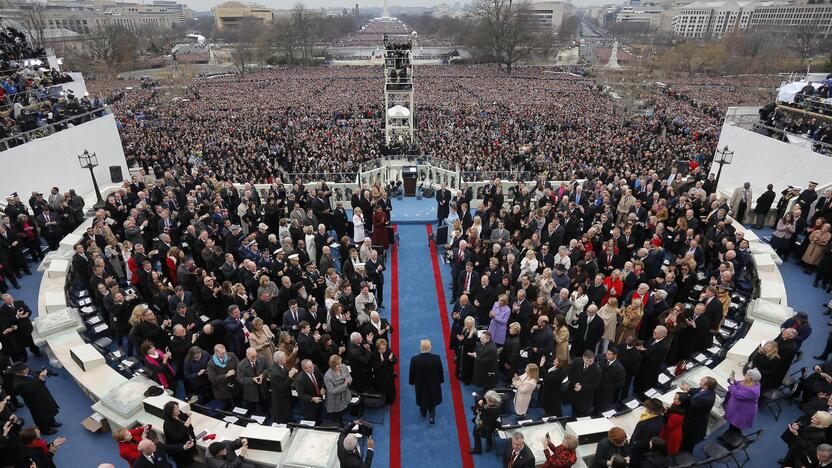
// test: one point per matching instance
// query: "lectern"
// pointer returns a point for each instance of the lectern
(410, 177)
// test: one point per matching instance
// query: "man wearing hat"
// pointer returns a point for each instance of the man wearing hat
(36, 396)
(807, 197)
(14, 207)
(224, 454)
(293, 270)
(262, 234)
(37, 203)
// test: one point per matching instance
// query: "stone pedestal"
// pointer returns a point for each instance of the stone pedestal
(55, 323)
(312, 449)
(124, 403)
(57, 269)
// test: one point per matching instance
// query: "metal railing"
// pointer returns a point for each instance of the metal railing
(817, 146)
(49, 129)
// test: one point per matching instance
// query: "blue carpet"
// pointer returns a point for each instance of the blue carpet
(412, 211)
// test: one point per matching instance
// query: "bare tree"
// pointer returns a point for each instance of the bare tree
(305, 32)
(284, 37)
(36, 23)
(110, 47)
(803, 39)
(506, 27)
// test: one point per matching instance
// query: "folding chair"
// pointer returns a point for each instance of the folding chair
(771, 400)
(717, 453)
(683, 460)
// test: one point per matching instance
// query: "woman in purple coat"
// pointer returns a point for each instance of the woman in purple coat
(741, 407)
(499, 319)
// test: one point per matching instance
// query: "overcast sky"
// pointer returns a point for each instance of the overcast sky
(204, 5)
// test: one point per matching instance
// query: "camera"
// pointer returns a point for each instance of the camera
(49, 372)
(365, 429)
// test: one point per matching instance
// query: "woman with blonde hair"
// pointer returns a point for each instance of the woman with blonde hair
(524, 385)
(477, 226)
(290, 348)
(529, 264)
(561, 332)
(261, 339)
(609, 313)
(545, 283)
(337, 381)
(630, 320)
(241, 296)
(358, 230)
(767, 361)
(266, 286)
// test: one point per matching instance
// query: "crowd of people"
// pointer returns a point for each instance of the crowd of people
(329, 119)
(607, 283)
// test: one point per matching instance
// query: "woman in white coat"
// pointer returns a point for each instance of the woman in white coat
(358, 225)
(524, 387)
(579, 301)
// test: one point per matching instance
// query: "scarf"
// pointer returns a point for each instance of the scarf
(220, 364)
(41, 444)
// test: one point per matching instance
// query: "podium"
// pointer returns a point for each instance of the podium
(410, 177)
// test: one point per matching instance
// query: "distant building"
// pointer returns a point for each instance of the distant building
(652, 17)
(232, 15)
(815, 16)
(718, 18)
(58, 18)
(550, 15)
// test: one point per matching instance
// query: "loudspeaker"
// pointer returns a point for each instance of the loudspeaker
(115, 174)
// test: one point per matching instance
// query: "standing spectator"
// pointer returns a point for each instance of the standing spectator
(741, 405)
(695, 424)
(486, 420)
(562, 456)
(764, 203)
(649, 426)
(525, 385)
(251, 378)
(615, 444)
(818, 240)
(37, 397)
(222, 373)
(337, 380)
(311, 391)
(584, 377)
(674, 419)
(486, 362)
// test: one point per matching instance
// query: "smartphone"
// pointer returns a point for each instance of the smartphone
(733, 373)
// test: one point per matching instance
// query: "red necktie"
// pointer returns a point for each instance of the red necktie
(315, 383)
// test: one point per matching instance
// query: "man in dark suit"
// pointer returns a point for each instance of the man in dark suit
(151, 456)
(630, 358)
(696, 337)
(224, 454)
(468, 281)
(609, 261)
(713, 309)
(339, 221)
(612, 380)
(17, 313)
(349, 455)
(520, 455)
(427, 376)
(695, 424)
(584, 378)
(443, 199)
(654, 356)
(80, 265)
(50, 227)
(36, 396)
(310, 386)
(294, 316)
(763, 206)
(280, 377)
(589, 332)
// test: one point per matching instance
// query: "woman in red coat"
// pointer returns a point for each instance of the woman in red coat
(673, 419)
(562, 456)
(128, 442)
(380, 229)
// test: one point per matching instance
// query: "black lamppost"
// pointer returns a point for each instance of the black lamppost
(722, 156)
(90, 161)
